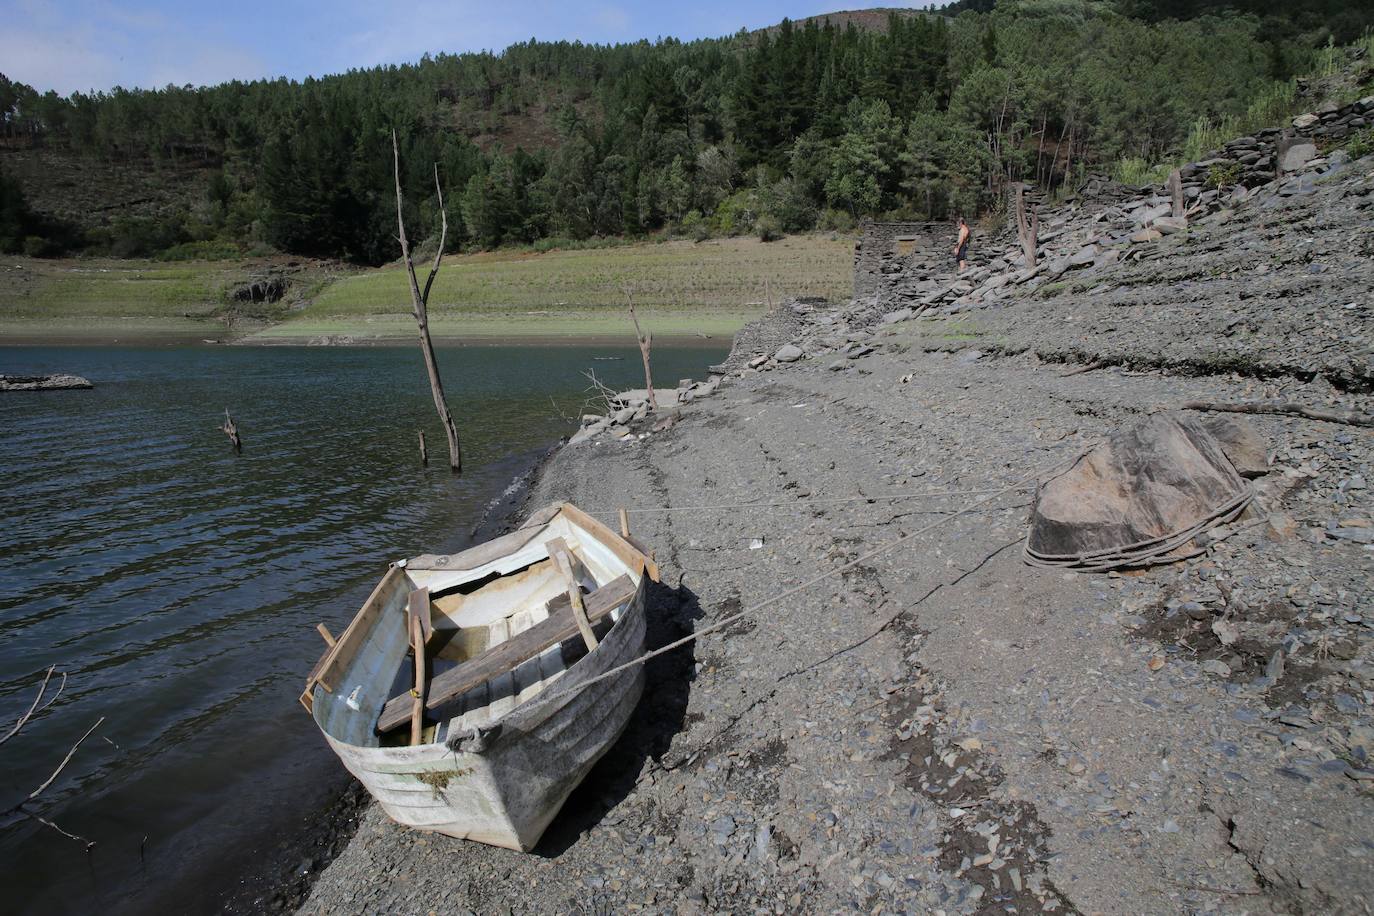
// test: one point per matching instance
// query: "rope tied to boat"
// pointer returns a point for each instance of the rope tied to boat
(724, 622)
(810, 500)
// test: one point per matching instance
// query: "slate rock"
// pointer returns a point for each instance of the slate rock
(1242, 443)
(1168, 225)
(1297, 156)
(1083, 256)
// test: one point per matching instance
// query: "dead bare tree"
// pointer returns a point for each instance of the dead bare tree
(37, 706)
(600, 396)
(1028, 231)
(646, 341)
(420, 301)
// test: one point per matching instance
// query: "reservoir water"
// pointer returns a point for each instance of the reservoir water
(178, 585)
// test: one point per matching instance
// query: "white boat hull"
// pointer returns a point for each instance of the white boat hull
(500, 773)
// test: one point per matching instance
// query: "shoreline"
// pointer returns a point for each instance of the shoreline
(941, 727)
(171, 336)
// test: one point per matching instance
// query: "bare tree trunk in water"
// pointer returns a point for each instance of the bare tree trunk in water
(420, 300)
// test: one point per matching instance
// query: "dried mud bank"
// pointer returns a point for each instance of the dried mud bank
(938, 727)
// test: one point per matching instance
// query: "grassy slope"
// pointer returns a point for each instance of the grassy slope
(57, 290)
(681, 289)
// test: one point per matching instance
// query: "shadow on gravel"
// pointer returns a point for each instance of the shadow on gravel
(659, 716)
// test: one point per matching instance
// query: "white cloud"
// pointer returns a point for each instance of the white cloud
(66, 63)
(107, 46)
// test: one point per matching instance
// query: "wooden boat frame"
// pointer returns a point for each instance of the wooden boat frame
(502, 758)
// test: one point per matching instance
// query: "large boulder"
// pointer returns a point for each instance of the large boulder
(1137, 497)
(789, 354)
(1297, 156)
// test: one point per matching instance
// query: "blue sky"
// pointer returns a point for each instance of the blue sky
(72, 45)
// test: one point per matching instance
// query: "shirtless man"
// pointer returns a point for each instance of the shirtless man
(961, 246)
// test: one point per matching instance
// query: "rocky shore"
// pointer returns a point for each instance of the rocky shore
(939, 727)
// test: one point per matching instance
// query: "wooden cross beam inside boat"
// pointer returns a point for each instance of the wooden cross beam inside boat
(561, 625)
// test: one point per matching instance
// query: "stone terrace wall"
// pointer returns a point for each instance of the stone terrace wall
(876, 255)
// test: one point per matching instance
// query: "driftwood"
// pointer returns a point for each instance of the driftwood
(424, 452)
(1348, 417)
(420, 302)
(230, 429)
(1028, 231)
(38, 706)
(1176, 195)
(646, 341)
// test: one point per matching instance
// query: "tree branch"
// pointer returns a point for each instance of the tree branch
(42, 689)
(443, 236)
(65, 760)
(1348, 417)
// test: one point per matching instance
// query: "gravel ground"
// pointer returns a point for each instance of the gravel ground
(939, 727)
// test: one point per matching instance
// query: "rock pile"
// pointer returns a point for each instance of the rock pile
(57, 382)
(627, 409)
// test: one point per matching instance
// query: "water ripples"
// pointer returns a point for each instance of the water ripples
(178, 585)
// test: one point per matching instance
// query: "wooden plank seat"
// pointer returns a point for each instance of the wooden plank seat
(561, 625)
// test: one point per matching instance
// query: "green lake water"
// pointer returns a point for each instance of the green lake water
(178, 585)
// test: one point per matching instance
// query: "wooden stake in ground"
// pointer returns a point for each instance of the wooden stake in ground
(1176, 194)
(1027, 231)
(420, 301)
(646, 341)
(424, 452)
(232, 431)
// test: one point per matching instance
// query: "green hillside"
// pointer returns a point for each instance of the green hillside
(803, 125)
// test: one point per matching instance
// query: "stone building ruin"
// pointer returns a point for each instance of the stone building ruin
(885, 246)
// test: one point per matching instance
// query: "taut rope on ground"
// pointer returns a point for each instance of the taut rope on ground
(805, 500)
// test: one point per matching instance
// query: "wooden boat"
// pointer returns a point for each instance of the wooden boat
(495, 744)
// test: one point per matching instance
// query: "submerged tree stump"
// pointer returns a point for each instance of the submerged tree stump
(230, 429)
